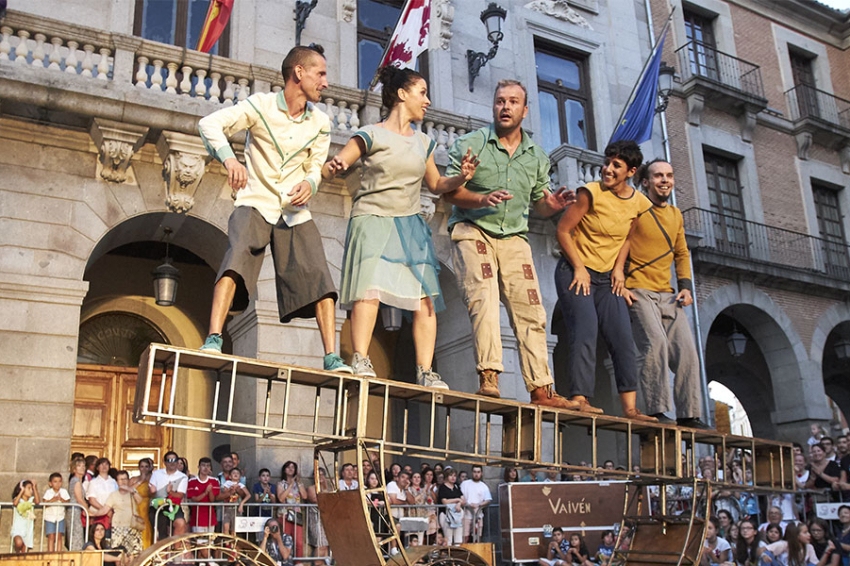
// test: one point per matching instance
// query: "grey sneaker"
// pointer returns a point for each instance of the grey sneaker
(213, 343)
(362, 366)
(429, 378)
(333, 362)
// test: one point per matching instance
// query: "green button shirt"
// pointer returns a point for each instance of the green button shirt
(525, 175)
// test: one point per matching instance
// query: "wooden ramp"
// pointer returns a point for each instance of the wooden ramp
(362, 546)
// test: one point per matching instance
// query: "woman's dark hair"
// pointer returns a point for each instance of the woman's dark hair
(103, 544)
(507, 476)
(99, 462)
(747, 553)
(19, 487)
(286, 465)
(796, 551)
(820, 546)
(627, 150)
(393, 79)
(775, 527)
(369, 475)
(582, 547)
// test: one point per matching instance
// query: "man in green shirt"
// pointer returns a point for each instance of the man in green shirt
(490, 250)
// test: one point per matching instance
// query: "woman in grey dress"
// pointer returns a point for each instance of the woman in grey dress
(77, 536)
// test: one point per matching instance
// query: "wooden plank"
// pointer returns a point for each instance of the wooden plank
(351, 536)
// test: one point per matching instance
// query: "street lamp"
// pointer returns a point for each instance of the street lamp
(302, 12)
(665, 86)
(736, 342)
(165, 278)
(492, 18)
(842, 348)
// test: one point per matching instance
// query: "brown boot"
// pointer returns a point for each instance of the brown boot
(546, 397)
(628, 400)
(585, 406)
(488, 380)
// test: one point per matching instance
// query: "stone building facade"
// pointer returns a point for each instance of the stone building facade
(759, 133)
(101, 165)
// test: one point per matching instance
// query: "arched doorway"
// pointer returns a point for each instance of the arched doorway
(109, 348)
(745, 371)
(119, 318)
(773, 376)
(836, 373)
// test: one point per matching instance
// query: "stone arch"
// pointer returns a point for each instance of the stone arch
(798, 393)
(832, 325)
(831, 318)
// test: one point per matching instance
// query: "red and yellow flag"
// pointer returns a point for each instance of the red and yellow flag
(214, 24)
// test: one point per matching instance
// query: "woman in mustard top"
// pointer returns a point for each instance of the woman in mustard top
(591, 233)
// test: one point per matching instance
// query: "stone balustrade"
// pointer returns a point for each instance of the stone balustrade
(170, 70)
(49, 44)
(574, 166)
(162, 70)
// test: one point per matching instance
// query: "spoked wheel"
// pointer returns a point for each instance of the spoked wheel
(440, 556)
(212, 548)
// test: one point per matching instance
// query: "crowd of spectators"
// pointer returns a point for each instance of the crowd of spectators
(124, 512)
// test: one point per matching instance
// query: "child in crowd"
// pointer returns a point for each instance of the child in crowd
(238, 496)
(577, 551)
(54, 515)
(24, 499)
(606, 548)
(264, 492)
(556, 554)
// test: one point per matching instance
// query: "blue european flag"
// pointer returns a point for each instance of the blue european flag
(636, 122)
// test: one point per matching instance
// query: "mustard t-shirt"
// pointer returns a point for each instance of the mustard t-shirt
(605, 226)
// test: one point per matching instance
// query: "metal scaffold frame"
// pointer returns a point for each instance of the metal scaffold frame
(352, 418)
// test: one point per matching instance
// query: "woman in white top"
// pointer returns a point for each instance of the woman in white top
(794, 550)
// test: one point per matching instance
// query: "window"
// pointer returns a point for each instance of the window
(831, 228)
(564, 98)
(803, 74)
(176, 22)
(702, 46)
(376, 21)
(724, 193)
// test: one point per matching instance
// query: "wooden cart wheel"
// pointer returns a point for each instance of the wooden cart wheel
(439, 556)
(194, 548)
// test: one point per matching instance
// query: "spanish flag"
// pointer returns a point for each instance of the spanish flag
(214, 24)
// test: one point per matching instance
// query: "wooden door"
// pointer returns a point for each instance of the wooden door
(103, 418)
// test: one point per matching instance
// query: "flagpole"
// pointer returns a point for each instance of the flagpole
(387, 46)
(642, 73)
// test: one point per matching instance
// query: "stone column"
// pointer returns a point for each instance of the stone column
(38, 348)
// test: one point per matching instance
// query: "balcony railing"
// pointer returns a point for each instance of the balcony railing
(806, 101)
(700, 60)
(743, 239)
(172, 74)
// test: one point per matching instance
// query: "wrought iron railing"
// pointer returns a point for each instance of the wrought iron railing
(697, 59)
(741, 238)
(806, 101)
